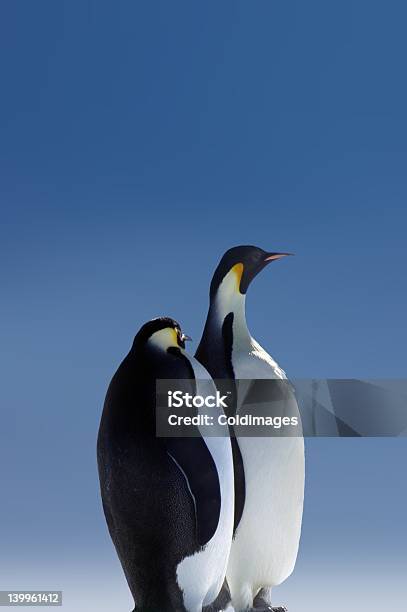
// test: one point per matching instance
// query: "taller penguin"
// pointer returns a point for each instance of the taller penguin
(269, 471)
(168, 502)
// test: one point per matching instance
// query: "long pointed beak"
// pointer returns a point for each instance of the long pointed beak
(185, 338)
(274, 256)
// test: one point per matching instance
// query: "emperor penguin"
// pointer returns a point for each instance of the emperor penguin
(269, 471)
(168, 502)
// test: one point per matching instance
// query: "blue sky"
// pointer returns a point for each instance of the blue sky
(139, 140)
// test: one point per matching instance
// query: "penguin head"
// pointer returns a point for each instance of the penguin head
(162, 333)
(238, 267)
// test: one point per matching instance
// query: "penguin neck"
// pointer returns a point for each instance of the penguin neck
(229, 301)
(225, 330)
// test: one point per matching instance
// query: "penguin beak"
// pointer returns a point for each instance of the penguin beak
(185, 338)
(273, 256)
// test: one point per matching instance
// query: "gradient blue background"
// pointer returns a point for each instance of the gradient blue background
(139, 140)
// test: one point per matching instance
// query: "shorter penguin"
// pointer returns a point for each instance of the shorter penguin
(168, 502)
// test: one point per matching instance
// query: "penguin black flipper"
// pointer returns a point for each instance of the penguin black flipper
(195, 462)
(193, 458)
(217, 358)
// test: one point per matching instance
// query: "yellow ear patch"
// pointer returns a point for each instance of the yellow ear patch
(174, 336)
(238, 272)
(164, 338)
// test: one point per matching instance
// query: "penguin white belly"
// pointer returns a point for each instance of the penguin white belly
(201, 576)
(265, 546)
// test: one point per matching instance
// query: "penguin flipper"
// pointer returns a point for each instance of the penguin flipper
(192, 457)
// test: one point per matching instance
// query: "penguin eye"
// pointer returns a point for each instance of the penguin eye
(180, 337)
(255, 259)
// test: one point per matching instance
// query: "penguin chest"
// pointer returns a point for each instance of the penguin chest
(267, 537)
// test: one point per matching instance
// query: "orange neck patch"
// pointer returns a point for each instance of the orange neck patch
(238, 272)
